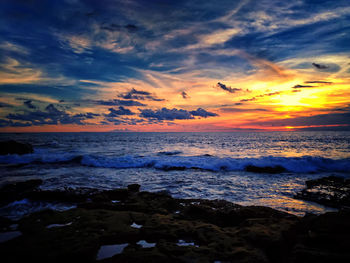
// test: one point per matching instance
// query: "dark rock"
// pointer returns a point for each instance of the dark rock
(134, 187)
(331, 191)
(173, 168)
(323, 238)
(13, 147)
(210, 230)
(265, 169)
(17, 191)
(57, 195)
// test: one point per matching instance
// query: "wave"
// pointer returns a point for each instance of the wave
(306, 164)
(40, 157)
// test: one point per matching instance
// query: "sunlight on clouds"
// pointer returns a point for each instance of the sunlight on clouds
(79, 44)
(8, 46)
(15, 72)
(272, 59)
(216, 38)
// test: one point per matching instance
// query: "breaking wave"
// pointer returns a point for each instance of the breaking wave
(306, 164)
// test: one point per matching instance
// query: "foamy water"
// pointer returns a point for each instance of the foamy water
(188, 165)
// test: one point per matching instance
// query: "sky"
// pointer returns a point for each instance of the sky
(161, 65)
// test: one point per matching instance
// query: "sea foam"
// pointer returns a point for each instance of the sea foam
(305, 164)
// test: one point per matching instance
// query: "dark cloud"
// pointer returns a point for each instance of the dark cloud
(184, 95)
(318, 82)
(120, 111)
(321, 119)
(88, 115)
(302, 86)
(203, 113)
(330, 67)
(245, 100)
(326, 128)
(5, 105)
(346, 109)
(227, 88)
(114, 27)
(116, 102)
(134, 94)
(269, 94)
(131, 28)
(28, 103)
(260, 96)
(51, 116)
(104, 123)
(166, 114)
(320, 66)
(174, 114)
(9, 123)
(240, 110)
(111, 27)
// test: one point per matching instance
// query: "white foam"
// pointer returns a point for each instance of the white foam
(145, 244)
(134, 225)
(108, 251)
(183, 243)
(59, 225)
(304, 164)
(169, 161)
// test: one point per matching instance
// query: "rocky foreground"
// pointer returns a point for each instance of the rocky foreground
(126, 225)
(331, 191)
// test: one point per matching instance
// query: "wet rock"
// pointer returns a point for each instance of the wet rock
(331, 191)
(265, 169)
(134, 187)
(17, 191)
(207, 231)
(322, 238)
(13, 147)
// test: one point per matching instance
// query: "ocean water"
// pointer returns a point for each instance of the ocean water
(187, 165)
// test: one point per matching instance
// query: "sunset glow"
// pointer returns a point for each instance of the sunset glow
(145, 66)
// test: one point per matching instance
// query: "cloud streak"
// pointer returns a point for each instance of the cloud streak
(227, 88)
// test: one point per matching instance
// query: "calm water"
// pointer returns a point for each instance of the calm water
(188, 165)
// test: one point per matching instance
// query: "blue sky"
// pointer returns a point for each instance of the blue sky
(83, 57)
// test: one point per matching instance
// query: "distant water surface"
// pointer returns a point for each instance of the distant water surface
(188, 165)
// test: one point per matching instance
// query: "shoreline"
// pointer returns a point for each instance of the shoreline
(126, 225)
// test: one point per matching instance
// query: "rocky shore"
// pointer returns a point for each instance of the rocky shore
(331, 191)
(128, 225)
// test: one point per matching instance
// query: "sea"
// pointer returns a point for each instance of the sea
(186, 165)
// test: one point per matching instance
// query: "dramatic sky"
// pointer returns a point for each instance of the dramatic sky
(174, 65)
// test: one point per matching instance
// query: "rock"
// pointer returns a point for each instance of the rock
(17, 191)
(13, 147)
(265, 169)
(330, 191)
(207, 231)
(134, 187)
(323, 238)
